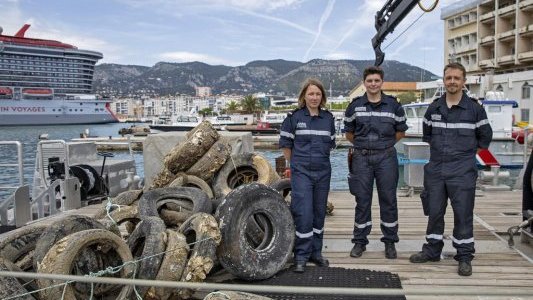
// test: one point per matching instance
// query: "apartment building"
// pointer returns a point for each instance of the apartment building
(489, 35)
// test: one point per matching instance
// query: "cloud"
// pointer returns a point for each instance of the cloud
(339, 55)
(323, 19)
(184, 56)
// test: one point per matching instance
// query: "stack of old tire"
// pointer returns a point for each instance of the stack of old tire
(205, 208)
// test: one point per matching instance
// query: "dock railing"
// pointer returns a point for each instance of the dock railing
(19, 199)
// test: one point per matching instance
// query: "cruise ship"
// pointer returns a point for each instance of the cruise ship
(47, 82)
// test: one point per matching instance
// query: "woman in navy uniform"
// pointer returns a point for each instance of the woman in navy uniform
(307, 136)
(455, 126)
(373, 123)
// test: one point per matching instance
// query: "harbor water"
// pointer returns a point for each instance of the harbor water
(29, 137)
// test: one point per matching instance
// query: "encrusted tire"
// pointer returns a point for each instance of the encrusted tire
(183, 179)
(172, 265)
(63, 256)
(125, 214)
(241, 169)
(233, 295)
(236, 253)
(206, 167)
(124, 198)
(18, 244)
(283, 186)
(202, 230)
(148, 204)
(188, 152)
(11, 286)
(146, 240)
(60, 229)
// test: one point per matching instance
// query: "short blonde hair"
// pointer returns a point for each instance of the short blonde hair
(305, 86)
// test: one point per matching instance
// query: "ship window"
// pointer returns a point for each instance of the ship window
(494, 108)
(53, 109)
(409, 113)
(70, 109)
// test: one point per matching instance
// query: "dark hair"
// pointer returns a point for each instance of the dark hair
(305, 85)
(455, 65)
(373, 70)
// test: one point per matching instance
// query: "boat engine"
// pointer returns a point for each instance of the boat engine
(92, 185)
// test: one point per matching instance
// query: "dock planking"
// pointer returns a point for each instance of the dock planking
(496, 267)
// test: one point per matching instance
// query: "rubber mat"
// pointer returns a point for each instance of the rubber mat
(331, 277)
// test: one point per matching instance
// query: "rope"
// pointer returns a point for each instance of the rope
(432, 7)
(108, 270)
(109, 205)
(403, 31)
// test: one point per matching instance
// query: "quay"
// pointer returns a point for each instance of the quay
(496, 267)
(112, 143)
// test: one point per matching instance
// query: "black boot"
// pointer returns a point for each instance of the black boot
(390, 251)
(357, 250)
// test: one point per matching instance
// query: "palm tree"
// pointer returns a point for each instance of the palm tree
(250, 104)
(232, 107)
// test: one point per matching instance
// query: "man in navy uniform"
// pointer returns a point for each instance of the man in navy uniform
(307, 136)
(455, 126)
(374, 122)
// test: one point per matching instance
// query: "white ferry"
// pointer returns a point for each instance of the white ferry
(47, 82)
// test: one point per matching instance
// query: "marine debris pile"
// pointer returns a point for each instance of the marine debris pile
(206, 210)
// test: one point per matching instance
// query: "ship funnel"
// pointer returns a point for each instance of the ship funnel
(1, 29)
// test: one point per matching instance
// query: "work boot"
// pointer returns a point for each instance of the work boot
(422, 257)
(320, 261)
(299, 267)
(357, 250)
(390, 251)
(465, 268)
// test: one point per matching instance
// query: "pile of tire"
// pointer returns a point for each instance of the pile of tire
(211, 210)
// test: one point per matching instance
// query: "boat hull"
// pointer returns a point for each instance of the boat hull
(55, 112)
(167, 128)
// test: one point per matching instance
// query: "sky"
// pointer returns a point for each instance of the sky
(227, 32)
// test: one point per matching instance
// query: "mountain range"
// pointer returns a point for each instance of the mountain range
(279, 77)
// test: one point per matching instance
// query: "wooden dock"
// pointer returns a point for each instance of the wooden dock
(496, 267)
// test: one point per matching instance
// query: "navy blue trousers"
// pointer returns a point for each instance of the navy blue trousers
(309, 195)
(455, 180)
(381, 166)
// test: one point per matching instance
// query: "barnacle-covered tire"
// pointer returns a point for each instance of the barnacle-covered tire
(283, 186)
(11, 286)
(242, 169)
(62, 258)
(60, 229)
(120, 216)
(233, 295)
(124, 198)
(146, 240)
(174, 218)
(183, 179)
(18, 244)
(202, 230)
(148, 204)
(172, 265)
(206, 167)
(186, 153)
(236, 253)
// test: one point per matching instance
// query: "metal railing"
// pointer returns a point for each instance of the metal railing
(19, 190)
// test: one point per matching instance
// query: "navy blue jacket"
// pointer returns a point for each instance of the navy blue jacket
(308, 137)
(456, 132)
(374, 125)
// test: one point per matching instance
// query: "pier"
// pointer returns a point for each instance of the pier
(496, 267)
(112, 143)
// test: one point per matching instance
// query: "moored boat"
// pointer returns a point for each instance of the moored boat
(47, 82)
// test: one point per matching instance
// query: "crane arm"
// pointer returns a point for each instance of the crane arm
(390, 15)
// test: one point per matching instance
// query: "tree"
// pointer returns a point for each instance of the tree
(232, 107)
(250, 104)
(206, 111)
(408, 97)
